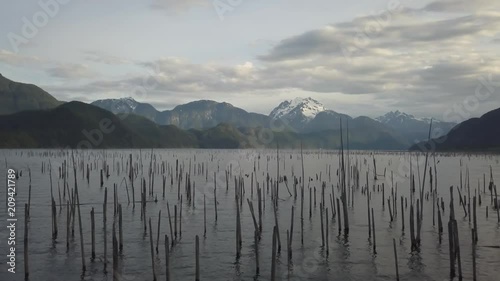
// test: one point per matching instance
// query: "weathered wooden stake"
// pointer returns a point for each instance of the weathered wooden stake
(474, 241)
(197, 258)
(80, 226)
(204, 216)
(92, 227)
(26, 234)
(158, 234)
(152, 250)
(105, 228)
(257, 267)
(374, 237)
(395, 258)
(167, 259)
(273, 256)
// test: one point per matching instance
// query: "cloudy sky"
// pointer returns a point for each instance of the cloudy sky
(364, 57)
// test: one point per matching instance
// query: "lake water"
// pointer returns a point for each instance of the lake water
(350, 258)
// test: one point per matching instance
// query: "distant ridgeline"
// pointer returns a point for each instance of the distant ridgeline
(80, 125)
(474, 135)
(32, 118)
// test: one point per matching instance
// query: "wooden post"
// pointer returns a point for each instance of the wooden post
(250, 206)
(92, 226)
(288, 247)
(60, 201)
(120, 227)
(29, 195)
(180, 219)
(369, 217)
(277, 228)
(374, 237)
(116, 275)
(475, 220)
(390, 210)
(167, 259)
(175, 222)
(204, 216)
(412, 228)
(259, 195)
(326, 236)
(105, 228)
(215, 195)
(158, 233)
(26, 235)
(474, 241)
(80, 225)
(440, 224)
(457, 248)
(152, 250)
(273, 257)
(310, 203)
(402, 217)
(197, 258)
(238, 230)
(133, 193)
(338, 216)
(170, 223)
(68, 224)
(322, 226)
(395, 258)
(257, 267)
(497, 204)
(383, 195)
(451, 249)
(419, 223)
(291, 231)
(54, 220)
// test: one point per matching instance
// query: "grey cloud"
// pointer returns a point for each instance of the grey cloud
(411, 61)
(461, 5)
(100, 57)
(177, 5)
(73, 71)
(324, 41)
(14, 59)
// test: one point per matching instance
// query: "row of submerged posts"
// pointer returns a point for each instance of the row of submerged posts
(335, 199)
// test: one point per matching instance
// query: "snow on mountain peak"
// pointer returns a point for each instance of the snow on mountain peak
(130, 102)
(119, 105)
(401, 117)
(308, 107)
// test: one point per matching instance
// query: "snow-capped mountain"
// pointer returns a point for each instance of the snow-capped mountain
(412, 127)
(297, 112)
(307, 107)
(127, 105)
(118, 105)
(397, 117)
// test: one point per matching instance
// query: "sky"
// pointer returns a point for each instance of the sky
(429, 58)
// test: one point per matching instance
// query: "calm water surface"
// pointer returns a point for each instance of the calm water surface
(350, 258)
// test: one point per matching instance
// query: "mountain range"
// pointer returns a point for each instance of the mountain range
(412, 128)
(300, 115)
(26, 110)
(80, 125)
